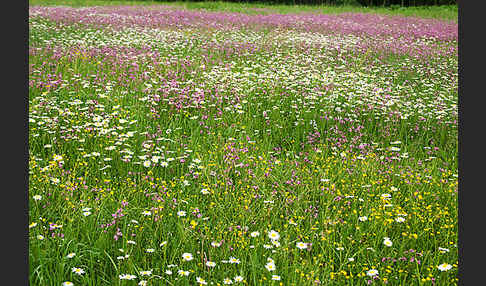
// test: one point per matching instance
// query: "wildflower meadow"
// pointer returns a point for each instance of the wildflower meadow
(172, 146)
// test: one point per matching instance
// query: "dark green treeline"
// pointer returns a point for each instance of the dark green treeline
(406, 2)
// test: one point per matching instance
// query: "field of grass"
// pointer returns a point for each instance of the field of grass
(173, 146)
(446, 12)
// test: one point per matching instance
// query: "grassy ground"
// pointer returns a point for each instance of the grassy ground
(439, 12)
(170, 147)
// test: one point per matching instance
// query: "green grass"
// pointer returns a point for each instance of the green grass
(325, 145)
(448, 12)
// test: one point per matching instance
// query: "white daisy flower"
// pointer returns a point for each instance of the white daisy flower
(187, 256)
(400, 219)
(270, 266)
(201, 281)
(386, 196)
(372, 272)
(254, 234)
(127, 276)
(234, 260)
(273, 235)
(363, 218)
(146, 273)
(301, 245)
(444, 267)
(78, 271)
(71, 255)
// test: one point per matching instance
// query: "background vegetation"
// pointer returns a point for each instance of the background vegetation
(448, 12)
